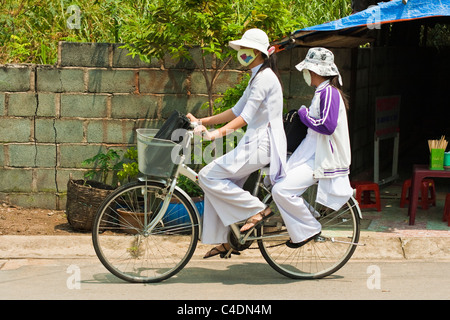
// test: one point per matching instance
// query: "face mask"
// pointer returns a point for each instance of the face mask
(246, 56)
(307, 76)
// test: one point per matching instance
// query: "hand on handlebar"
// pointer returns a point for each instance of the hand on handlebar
(192, 118)
(194, 121)
(199, 129)
(202, 131)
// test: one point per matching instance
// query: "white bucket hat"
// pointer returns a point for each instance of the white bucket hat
(320, 61)
(253, 38)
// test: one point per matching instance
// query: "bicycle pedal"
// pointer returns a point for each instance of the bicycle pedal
(320, 239)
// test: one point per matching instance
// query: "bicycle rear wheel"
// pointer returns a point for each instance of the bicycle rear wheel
(128, 248)
(320, 257)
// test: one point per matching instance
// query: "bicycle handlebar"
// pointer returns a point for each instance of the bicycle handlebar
(194, 125)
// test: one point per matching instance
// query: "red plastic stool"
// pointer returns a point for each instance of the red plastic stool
(363, 189)
(446, 216)
(426, 198)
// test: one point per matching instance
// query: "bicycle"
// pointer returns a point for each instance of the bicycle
(147, 231)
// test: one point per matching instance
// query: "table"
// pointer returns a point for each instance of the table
(419, 173)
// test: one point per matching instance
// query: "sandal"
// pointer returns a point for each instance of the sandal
(293, 245)
(253, 222)
(223, 253)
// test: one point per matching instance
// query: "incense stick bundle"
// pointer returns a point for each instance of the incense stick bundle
(438, 144)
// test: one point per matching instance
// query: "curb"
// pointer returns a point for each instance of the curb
(402, 247)
(375, 246)
(48, 247)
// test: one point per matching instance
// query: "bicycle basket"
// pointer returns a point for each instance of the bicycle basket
(157, 157)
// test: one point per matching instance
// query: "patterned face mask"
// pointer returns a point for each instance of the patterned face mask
(246, 56)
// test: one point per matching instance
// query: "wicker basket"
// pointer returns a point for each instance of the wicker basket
(83, 199)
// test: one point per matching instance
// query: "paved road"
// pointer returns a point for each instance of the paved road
(237, 278)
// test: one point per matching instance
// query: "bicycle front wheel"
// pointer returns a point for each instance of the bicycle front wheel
(320, 257)
(131, 250)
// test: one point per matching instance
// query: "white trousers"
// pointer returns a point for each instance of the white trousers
(225, 200)
(286, 193)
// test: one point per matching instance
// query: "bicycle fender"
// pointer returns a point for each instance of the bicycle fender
(357, 207)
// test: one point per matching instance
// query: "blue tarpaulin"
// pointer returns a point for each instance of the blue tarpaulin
(387, 12)
(355, 29)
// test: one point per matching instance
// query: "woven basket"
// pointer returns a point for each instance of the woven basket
(83, 200)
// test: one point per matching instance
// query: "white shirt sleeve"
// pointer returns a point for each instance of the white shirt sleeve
(252, 98)
(239, 106)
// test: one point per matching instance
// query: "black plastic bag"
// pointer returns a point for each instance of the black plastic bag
(177, 120)
(294, 129)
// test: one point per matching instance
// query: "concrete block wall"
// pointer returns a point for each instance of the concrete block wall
(54, 117)
(364, 112)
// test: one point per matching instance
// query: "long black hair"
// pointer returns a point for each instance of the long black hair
(270, 62)
(334, 81)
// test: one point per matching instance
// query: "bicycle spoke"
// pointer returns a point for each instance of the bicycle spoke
(322, 256)
(126, 245)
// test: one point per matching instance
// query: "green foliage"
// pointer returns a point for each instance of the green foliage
(104, 164)
(231, 96)
(319, 11)
(154, 26)
(38, 26)
(189, 187)
(130, 168)
(20, 48)
(109, 163)
(173, 26)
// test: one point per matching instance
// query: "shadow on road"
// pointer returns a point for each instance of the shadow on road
(225, 273)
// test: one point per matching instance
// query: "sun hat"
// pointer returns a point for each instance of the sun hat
(320, 61)
(252, 38)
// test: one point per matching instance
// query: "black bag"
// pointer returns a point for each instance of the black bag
(294, 129)
(176, 120)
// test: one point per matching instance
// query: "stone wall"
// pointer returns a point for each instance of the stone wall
(54, 117)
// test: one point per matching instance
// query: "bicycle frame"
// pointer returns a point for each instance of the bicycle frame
(183, 169)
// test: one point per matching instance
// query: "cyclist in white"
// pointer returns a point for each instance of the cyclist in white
(260, 108)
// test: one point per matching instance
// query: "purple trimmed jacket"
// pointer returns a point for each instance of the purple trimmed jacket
(324, 121)
(328, 117)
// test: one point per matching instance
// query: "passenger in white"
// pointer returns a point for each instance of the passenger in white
(323, 156)
(260, 108)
